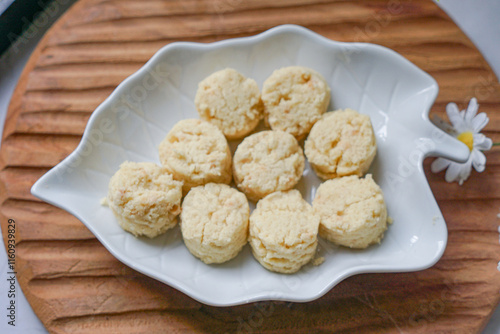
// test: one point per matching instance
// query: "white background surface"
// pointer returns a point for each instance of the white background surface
(478, 18)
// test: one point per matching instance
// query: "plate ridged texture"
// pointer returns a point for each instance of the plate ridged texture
(75, 286)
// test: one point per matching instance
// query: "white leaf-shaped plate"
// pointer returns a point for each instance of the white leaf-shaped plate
(376, 81)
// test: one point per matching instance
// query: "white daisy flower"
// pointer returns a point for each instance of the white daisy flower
(466, 127)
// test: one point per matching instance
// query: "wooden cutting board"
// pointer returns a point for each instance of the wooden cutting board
(75, 286)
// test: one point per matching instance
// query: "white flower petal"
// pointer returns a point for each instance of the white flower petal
(455, 117)
(479, 122)
(452, 108)
(481, 142)
(439, 164)
(478, 138)
(464, 173)
(478, 160)
(471, 110)
(453, 172)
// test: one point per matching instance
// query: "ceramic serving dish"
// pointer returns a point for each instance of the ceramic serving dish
(132, 121)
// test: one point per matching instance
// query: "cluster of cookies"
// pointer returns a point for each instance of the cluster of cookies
(215, 218)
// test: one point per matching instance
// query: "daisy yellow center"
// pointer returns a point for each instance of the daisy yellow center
(467, 138)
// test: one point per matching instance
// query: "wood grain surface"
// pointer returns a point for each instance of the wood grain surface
(73, 283)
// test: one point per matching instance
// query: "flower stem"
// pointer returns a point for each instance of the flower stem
(496, 144)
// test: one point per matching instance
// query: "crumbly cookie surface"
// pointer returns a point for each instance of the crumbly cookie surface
(214, 222)
(352, 211)
(145, 198)
(196, 152)
(230, 101)
(266, 162)
(341, 143)
(283, 232)
(294, 99)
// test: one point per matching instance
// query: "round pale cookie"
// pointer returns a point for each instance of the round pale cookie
(145, 198)
(341, 143)
(352, 211)
(214, 222)
(283, 232)
(230, 101)
(294, 99)
(266, 162)
(196, 152)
